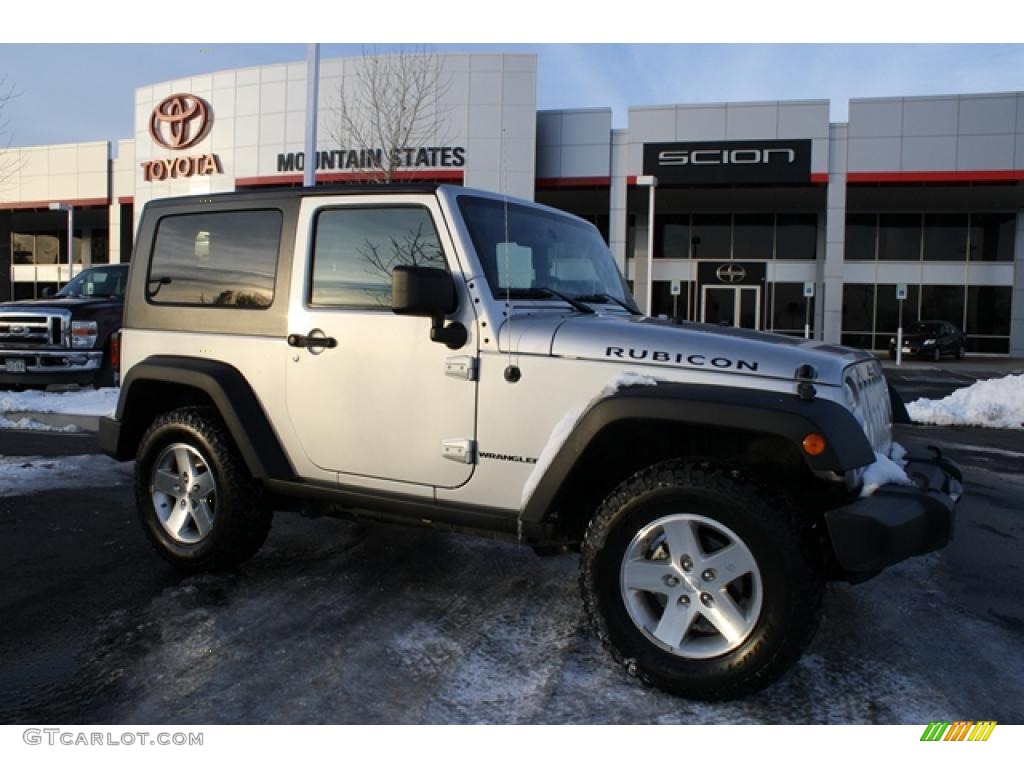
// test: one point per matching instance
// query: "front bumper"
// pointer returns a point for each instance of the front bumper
(52, 366)
(898, 521)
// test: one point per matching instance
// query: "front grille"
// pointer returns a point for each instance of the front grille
(30, 330)
(873, 409)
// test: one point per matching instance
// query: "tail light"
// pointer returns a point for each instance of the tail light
(115, 353)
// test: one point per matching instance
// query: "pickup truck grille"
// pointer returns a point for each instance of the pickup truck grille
(28, 331)
(873, 409)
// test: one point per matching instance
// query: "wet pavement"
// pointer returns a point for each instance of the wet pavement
(340, 622)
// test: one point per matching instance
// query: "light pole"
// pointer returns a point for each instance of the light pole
(71, 234)
(651, 182)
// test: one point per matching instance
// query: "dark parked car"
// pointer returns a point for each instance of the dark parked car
(931, 339)
(71, 337)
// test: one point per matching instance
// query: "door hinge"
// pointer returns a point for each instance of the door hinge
(461, 367)
(460, 450)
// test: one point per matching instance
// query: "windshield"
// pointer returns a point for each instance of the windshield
(543, 253)
(924, 328)
(101, 282)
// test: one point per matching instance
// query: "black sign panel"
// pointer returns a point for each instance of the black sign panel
(725, 273)
(730, 162)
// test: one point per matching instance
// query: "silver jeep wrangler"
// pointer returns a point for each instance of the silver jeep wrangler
(440, 356)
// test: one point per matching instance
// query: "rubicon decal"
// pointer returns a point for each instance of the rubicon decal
(680, 358)
(961, 730)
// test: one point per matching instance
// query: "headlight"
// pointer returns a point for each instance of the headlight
(83, 334)
(928, 342)
(892, 339)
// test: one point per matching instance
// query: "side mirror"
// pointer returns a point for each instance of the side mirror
(428, 292)
(48, 292)
(422, 291)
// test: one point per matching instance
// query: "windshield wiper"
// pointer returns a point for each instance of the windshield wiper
(527, 293)
(601, 297)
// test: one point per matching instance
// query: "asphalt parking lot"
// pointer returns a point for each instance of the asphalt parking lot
(346, 623)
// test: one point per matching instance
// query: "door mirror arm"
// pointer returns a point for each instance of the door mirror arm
(453, 336)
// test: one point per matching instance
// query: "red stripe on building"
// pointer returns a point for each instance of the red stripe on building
(570, 182)
(84, 202)
(932, 177)
(126, 200)
(819, 178)
(356, 177)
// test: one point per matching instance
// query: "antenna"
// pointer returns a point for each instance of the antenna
(512, 372)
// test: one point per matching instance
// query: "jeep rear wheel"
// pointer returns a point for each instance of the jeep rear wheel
(194, 496)
(698, 584)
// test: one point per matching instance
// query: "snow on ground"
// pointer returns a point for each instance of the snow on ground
(20, 475)
(27, 423)
(82, 402)
(988, 403)
(565, 425)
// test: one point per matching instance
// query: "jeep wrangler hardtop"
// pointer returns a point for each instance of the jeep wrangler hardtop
(440, 356)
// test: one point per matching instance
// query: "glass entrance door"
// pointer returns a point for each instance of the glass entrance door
(739, 306)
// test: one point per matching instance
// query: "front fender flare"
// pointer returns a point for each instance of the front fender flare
(772, 413)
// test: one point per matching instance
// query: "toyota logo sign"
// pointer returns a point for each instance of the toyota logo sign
(731, 273)
(179, 121)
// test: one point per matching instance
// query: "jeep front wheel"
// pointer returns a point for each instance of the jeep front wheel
(697, 583)
(196, 501)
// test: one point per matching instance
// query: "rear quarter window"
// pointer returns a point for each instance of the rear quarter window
(216, 259)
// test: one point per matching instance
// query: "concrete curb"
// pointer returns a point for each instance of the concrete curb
(83, 422)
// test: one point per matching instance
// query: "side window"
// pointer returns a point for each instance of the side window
(225, 259)
(356, 249)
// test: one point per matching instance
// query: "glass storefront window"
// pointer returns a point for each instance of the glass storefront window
(945, 236)
(858, 307)
(899, 237)
(796, 236)
(861, 231)
(661, 299)
(753, 236)
(943, 302)
(710, 236)
(789, 308)
(672, 237)
(887, 308)
(988, 310)
(992, 236)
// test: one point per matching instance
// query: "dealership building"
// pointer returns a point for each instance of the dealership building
(759, 214)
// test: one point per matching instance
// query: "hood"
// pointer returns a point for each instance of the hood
(915, 338)
(633, 340)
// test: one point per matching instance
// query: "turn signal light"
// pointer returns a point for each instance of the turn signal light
(814, 444)
(115, 351)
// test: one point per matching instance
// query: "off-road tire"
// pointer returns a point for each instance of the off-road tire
(243, 512)
(784, 547)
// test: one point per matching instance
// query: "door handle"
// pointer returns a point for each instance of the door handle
(298, 340)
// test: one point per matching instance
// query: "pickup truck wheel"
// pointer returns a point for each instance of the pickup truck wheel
(194, 496)
(698, 583)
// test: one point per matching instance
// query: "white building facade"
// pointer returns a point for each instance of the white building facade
(761, 214)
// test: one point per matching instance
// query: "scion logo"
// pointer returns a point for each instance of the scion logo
(179, 121)
(752, 156)
(731, 273)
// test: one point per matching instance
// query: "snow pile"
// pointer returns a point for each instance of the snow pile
(27, 423)
(82, 402)
(565, 425)
(989, 403)
(886, 469)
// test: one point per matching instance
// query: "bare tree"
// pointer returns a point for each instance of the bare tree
(394, 103)
(10, 161)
